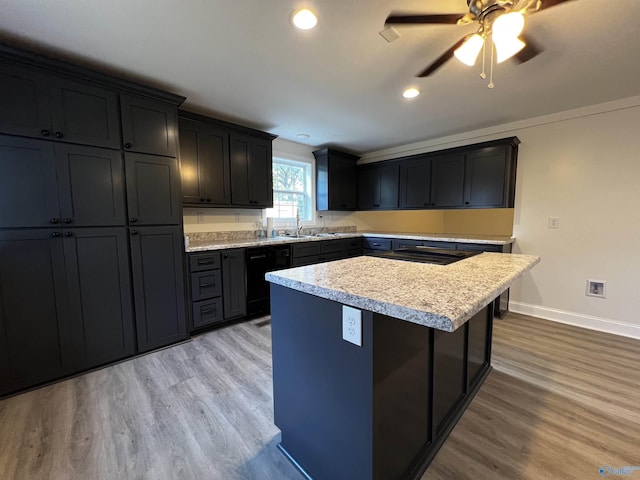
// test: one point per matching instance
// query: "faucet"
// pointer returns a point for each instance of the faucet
(298, 224)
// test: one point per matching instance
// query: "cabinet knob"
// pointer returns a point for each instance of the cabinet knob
(45, 133)
(54, 220)
(226, 255)
(133, 219)
(59, 135)
(55, 234)
(134, 232)
(376, 205)
(127, 145)
(433, 204)
(68, 220)
(202, 199)
(466, 203)
(68, 234)
(208, 199)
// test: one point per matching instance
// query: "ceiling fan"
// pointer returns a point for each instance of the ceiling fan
(500, 20)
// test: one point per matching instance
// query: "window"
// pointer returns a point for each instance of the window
(292, 190)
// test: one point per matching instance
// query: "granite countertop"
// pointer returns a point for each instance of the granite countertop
(439, 296)
(206, 245)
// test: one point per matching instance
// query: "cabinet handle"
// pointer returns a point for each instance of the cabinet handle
(127, 145)
(376, 205)
(202, 199)
(466, 203)
(133, 219)
(205, 285)
(433, 204)
(208, 199)
(134, 232)
(59, 135)
(206, 262)
(54, 220)
(45, 133)
(55, 234)
(208, 310)
(68, 234)
(226, 255)
(68, 220)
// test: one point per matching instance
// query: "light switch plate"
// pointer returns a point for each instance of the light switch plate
(352, 325)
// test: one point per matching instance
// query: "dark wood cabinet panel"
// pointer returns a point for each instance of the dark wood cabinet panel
(336, 180)
(204, 164)
(378, 186)
(97, 266)
(251, 171)
(415, 183)
(28, 189)
(35, 334)
(486, 178)
(234, 289)
(479, 348)
(91, 185)
(206, 313)
(25, 108)
(158, 285)
(447, 181)
(84, 113)
(153, 190)
(148, 125)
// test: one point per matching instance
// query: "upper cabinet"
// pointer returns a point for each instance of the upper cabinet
(223, 164)
(378, 186)
(415, 182)
(148, 125)
(35, 104)
(447, 184)
(490, 178)
(336, 180)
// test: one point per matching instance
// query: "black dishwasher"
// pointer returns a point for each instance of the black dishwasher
(259, 261)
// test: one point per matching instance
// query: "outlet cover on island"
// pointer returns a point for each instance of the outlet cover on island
(352, 325)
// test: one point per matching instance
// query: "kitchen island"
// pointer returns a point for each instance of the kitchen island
(380, 405)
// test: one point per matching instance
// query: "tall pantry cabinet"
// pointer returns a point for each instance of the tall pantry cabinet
(91, 249)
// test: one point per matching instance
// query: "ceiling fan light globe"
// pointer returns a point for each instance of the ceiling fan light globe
(508, 25)
(304, 19)
(507, 48)
(468, 52)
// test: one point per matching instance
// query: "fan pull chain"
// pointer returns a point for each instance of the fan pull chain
(484, 59)
(491, 85)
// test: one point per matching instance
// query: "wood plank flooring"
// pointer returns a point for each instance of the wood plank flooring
(560, 403)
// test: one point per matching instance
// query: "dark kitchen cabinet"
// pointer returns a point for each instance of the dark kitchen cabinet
(35, 332)
(148, 125)
(204, 164)
(158, 285)
(251, 171)
(37, 104)
(205, 288)
(489, 178)
(47, 185)
(153, 190)
(101, 310)
(336, 180)
(415, 183)
(447, 181)
(378, 186)
(234, 289)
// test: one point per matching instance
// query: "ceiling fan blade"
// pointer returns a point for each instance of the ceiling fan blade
(532, 49)
(451, 19)
(442, 59)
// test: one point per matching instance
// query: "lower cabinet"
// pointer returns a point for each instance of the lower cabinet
(205, 289)
(308, 253)
(234, 288)
(158, 285)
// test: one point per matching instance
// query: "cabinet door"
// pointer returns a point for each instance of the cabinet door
(447, 181)
(204, 164)
(91, 183)
(84, 113)
(260, 173)
(97, 266)
(148, 126)
(486, 180)
(28, 190)
(368, 188)
(415, 183)
(158, 286)
(233, 283)
(239, 149)
(35, 335)
(153, 190)
(388, 180)
(24, 101)
(343, 181)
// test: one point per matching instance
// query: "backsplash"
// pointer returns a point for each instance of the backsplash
(249, 234)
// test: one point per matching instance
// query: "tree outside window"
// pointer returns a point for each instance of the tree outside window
(291, 190)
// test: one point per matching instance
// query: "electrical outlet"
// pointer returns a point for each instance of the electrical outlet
(554, 222)
(200, 217)
(352, 325)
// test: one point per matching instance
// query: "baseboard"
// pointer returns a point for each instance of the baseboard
(579, 320)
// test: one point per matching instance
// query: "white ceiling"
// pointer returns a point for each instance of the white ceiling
(341, 83)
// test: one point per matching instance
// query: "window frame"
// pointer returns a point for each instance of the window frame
(309, 191)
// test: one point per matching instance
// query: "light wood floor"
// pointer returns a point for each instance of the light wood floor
(560, 403)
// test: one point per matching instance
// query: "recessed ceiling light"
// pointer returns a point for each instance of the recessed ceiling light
(411, 92)
(303, 136)
(304, 19)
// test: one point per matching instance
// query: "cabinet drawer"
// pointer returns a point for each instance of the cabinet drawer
(352, 243)
(205, 285)
(329, 257)
(482, 247)
(204, 261)
(401, 243)
(309, 260)
(377, 243)
(332, 246)
(306, 249)
(445, 245)
(206, 312)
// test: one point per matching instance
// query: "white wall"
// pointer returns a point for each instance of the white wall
(582, 166)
